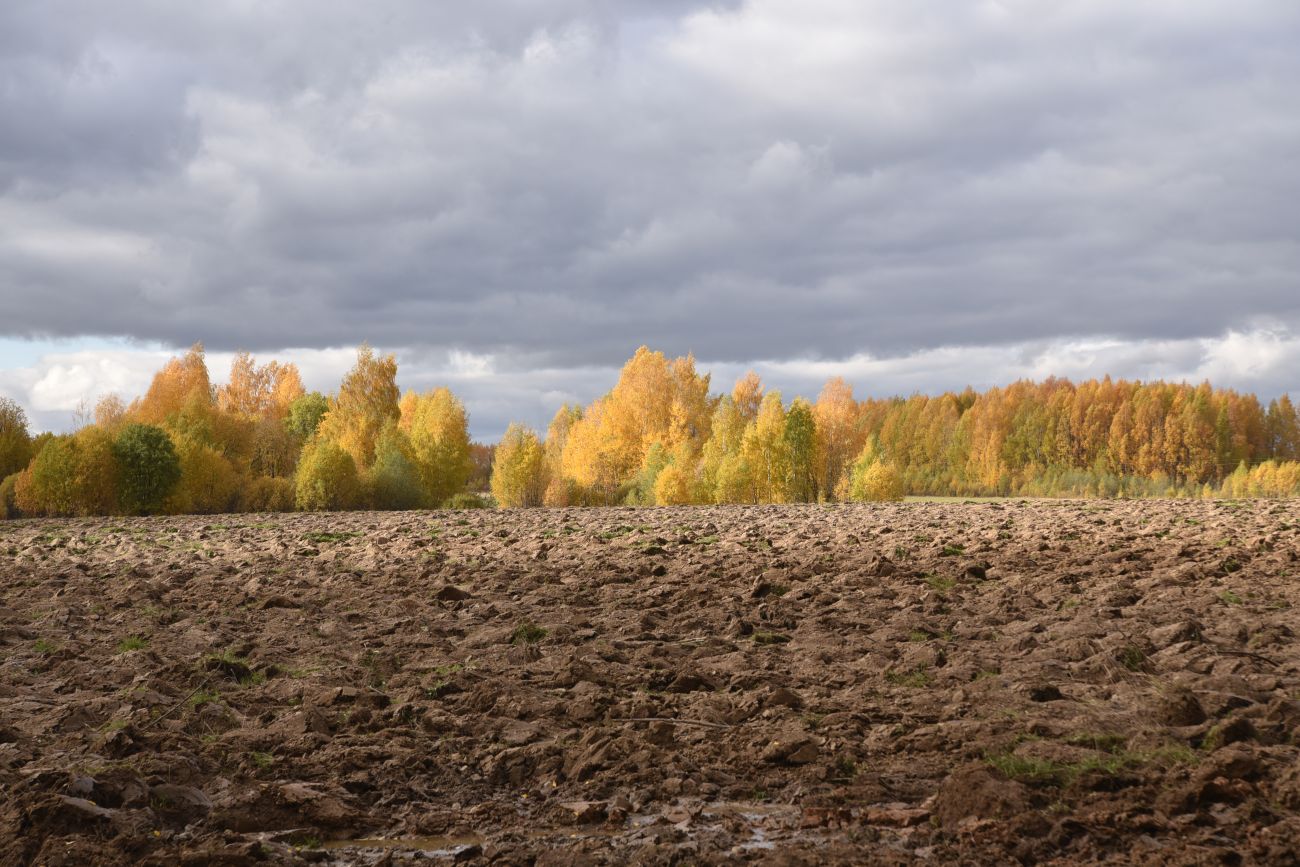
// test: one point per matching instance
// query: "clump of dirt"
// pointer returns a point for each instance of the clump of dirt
(976, 683)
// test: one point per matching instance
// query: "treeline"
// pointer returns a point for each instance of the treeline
(259, 443)
(661, 437)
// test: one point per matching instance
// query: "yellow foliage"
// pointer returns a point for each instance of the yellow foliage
(367, 400)
(672, 487)
(255, 392)
(519, 469)
(327, 478)
(438, 428)
(209, 482)
(180, 381)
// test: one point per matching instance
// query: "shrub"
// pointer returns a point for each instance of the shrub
(51, 485)
(209, 482)
(877, 482)
(9, 497)
(327, 479)
(267, 494)
(466, 501)
(394, 480)
(672, 487)
(149, 466)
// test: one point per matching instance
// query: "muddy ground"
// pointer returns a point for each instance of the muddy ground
(1047, 682)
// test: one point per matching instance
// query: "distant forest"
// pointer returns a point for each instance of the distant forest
(661, 436)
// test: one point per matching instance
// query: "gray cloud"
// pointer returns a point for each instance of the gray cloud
(556, 183)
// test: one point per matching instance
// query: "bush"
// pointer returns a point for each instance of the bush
(466, 501)
(878, 482)
(51, 484)
(327, 479)
(672, 487)
(9, 497)
(267, 494)
(149, 466)
(209, 484)
(394, 480)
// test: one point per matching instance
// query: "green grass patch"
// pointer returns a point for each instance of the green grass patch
(132, 643)
(528, 633)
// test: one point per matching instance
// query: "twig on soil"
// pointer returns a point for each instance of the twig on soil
(664, 719)
(1249, 653)
(175, 707)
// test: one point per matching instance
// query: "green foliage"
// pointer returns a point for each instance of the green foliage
(305, 415)
(527, 633)
(15, 443)
(9, 497)
(326, 479)
(52, 484)
(149, 467)
(395, 478)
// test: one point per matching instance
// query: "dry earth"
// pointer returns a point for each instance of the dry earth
(1048, 682)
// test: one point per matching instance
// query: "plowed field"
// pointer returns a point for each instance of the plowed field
(1048, 682)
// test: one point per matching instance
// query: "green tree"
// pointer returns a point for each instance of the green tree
(305, 415)
(801, 453)
(395, 477)
(149, 466)
(15, 442)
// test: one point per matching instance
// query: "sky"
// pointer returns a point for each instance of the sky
(512, 195)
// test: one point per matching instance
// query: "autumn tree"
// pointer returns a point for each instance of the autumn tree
(519, 469)
(766, 451)
(110, 413)
(327, 478)
(438, 427)
(747, 395)
(182, 380)
(838, 436)
(366, 402)
(259, 392)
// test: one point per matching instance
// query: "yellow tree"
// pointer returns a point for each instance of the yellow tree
(519, 469)
(747, 394)
(367, 400)
(438, 428)
(182, 381)
(838, 436)
(255, 392)
(766, 451)
(560, 491)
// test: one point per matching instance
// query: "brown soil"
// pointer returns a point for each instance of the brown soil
(1045, 682)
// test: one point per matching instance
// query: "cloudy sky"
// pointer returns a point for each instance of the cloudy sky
(512, 195)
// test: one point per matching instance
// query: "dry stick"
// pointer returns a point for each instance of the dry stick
(174, 707)
(1248, 653)
(684, 722)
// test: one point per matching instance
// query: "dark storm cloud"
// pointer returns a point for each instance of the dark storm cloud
(555, 183)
